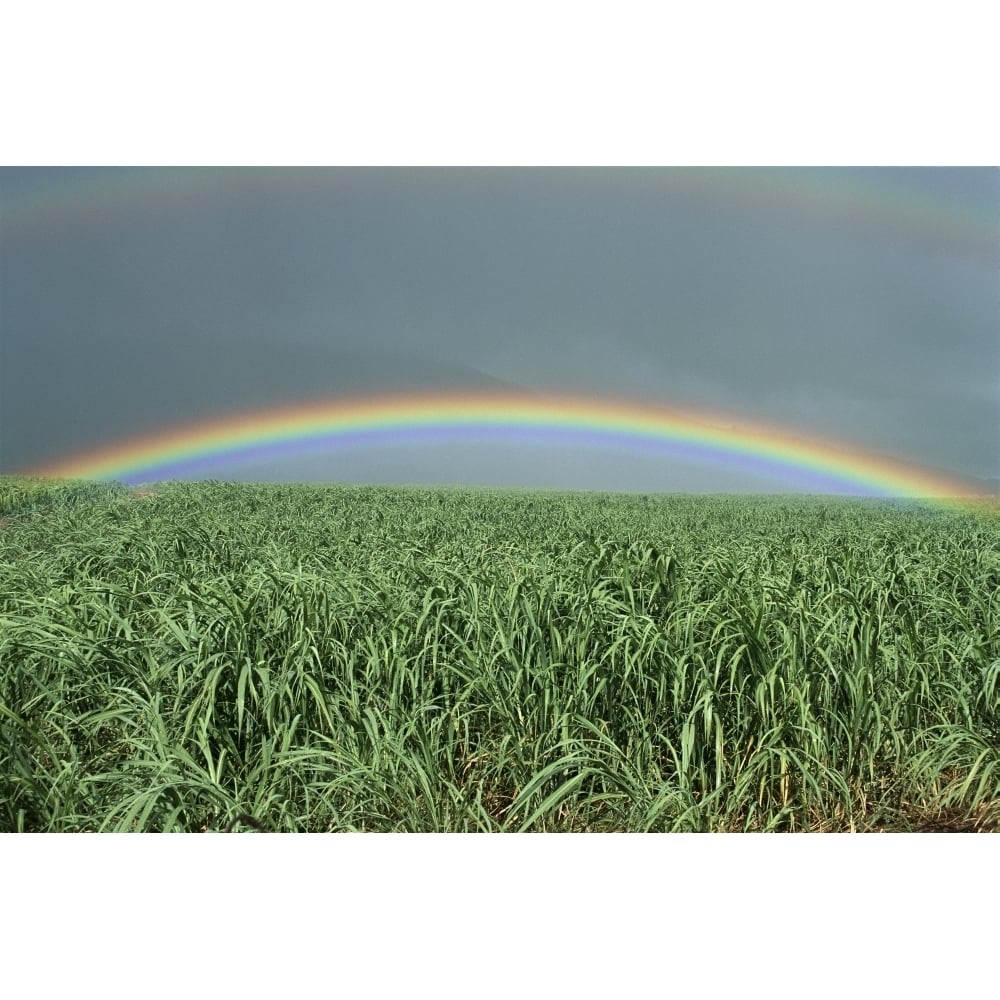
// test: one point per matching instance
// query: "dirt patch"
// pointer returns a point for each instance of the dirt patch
(955, 821)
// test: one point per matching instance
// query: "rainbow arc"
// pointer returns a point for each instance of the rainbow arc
(810, 464)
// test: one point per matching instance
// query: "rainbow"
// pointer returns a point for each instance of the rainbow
(43, 209)
(818, 465)
(871, 198)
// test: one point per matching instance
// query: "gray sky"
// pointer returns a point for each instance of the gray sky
(860, 305)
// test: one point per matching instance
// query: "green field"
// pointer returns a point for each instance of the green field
(351, 658)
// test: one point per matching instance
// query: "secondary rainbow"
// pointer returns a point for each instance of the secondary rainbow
(876, 201)
(820, 465)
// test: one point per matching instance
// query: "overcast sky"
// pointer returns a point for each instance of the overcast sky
(860, 305)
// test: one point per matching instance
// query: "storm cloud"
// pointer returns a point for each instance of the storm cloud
(860, 305)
